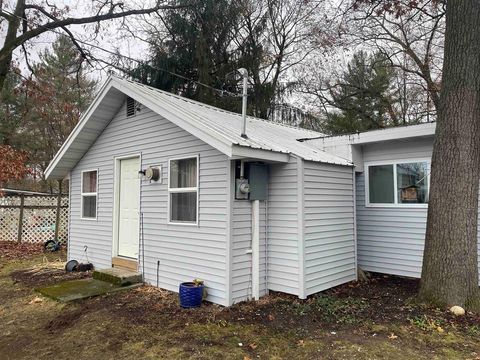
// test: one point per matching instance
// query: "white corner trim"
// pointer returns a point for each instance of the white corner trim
(229, 238)
(300, 230)
(354, 194)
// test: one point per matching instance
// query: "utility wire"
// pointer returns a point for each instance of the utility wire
(220, 91)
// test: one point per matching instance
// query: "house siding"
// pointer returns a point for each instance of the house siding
(184, 251)
(329, 221)
(282, 228)
(391, 240)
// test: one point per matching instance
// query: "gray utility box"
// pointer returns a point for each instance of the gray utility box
(258, 179)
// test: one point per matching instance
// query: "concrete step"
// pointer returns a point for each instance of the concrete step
(118, 276)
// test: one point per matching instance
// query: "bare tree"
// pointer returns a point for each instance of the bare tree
(280, 31)
(27, 20)
(409, 33)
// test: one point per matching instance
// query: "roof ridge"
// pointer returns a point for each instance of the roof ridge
(196, 102)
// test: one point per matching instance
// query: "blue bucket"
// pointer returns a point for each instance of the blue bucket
(190, 295)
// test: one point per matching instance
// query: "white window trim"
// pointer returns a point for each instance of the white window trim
(82, 194)
(394, 163)
(182, 190)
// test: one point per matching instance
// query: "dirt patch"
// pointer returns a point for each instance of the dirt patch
(384, 299)
(10, 250)
(375, 320)
(38, 277)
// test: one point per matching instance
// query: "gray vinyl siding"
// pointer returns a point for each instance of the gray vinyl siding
(282, 229)
(391, 240)
(184, 251)
(241, 243)
(329, 220)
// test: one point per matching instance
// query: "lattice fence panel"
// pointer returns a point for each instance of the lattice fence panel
(9, 223)
(39, 217)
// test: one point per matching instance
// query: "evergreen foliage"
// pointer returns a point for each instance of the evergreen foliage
(364, 96)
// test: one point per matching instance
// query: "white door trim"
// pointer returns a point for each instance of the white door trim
(116, 197)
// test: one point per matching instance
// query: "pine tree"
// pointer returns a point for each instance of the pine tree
(199, 46)
(363, 96)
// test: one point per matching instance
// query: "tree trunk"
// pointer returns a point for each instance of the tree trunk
(6, 56)
(450, 263)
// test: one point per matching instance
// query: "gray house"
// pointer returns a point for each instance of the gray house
(169, 187)
(392, 169)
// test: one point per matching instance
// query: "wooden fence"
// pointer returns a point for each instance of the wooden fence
(33, 218)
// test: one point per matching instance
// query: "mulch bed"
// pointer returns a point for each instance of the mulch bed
(11, 250)
(46, 276)
(384, 299)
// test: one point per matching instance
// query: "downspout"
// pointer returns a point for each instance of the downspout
(256, 249)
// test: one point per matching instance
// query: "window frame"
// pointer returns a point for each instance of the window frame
(183, 190)
(82, 195)
(394, 163)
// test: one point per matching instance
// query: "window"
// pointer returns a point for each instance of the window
(183, 190)
(89, 194)
(398, 183)
(380, 182)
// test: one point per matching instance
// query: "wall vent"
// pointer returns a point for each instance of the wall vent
(131, 106)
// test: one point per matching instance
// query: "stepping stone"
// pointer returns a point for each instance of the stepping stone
(118, 276)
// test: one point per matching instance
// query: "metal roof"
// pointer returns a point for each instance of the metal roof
(219, 128)
(378, 135)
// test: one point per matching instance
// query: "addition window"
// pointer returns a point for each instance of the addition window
(183, 190)
(397, 183)
(89, 185)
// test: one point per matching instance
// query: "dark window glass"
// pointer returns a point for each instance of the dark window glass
(381, 184)
(89, 206)
(183, 207)
(183, 173)
(89, 182)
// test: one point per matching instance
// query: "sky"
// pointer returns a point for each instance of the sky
(109, 37)
(113, 40)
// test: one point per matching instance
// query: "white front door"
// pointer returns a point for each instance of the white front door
(128, 208)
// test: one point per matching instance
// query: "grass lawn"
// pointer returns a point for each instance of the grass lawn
(376, 320)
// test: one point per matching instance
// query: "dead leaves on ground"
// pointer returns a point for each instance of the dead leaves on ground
(11, 250)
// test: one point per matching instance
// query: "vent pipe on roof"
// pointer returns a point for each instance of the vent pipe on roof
(244, 73)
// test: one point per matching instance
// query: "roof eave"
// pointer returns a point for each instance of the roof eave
(50, 172)
(242, 152)
(222, 145)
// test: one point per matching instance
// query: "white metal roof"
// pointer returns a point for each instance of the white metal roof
(218, 128)
(373, 136)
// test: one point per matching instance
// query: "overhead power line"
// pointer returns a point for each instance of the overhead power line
(118, 54)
